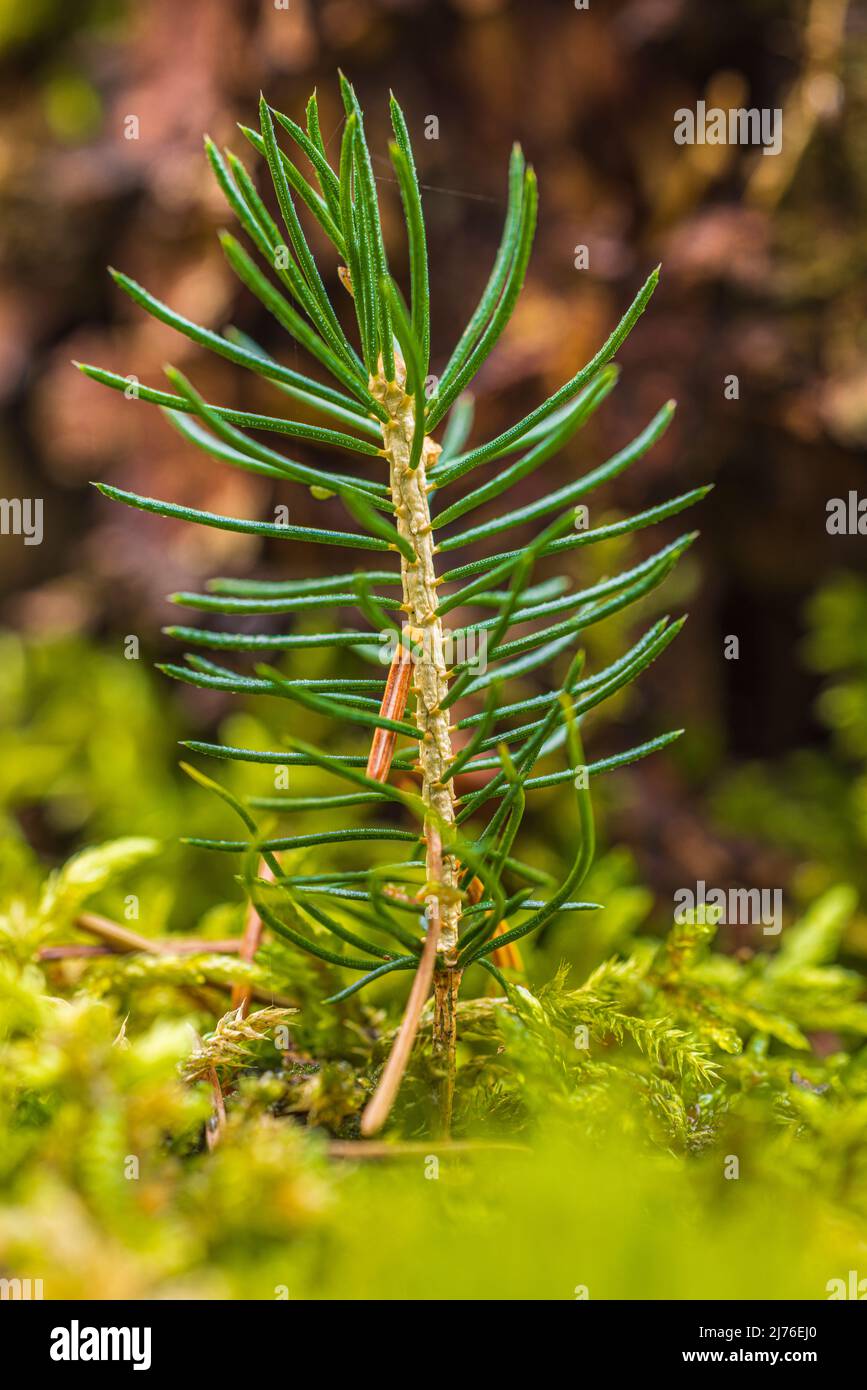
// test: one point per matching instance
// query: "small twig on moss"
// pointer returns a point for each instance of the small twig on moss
(122, 941)
(180, 946)
(363, 1149)
(117, 937)
(379, 1106)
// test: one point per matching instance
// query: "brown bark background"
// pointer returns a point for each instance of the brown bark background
(763, 277)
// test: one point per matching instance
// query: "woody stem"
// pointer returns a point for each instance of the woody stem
(409, 490)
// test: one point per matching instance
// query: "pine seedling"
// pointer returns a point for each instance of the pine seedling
(448, 781)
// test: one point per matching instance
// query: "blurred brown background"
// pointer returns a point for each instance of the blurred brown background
(763, 277)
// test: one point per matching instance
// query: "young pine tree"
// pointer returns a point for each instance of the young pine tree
(458, 773)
